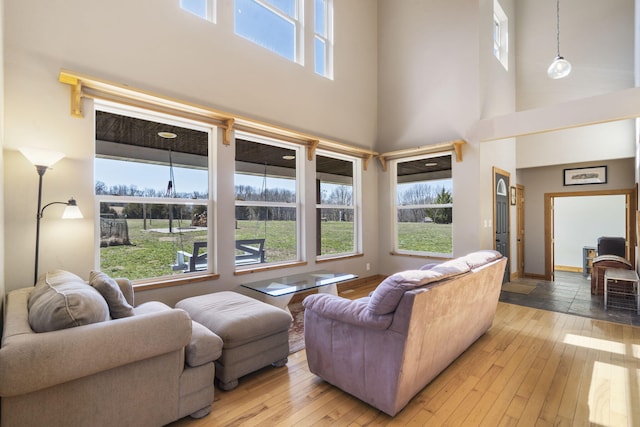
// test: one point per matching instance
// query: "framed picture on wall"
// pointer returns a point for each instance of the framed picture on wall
(582, 176)
(513, 195)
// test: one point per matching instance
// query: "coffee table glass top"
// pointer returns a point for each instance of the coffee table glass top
(298, 282)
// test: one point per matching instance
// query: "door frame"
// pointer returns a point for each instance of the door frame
(630, 223)
(520, 235)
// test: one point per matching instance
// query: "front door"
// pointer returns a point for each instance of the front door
(501, 215)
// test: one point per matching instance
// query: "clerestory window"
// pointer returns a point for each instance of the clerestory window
(205, 9)
(500, 35)
(273, 24)
(323, 37)
(423, 193)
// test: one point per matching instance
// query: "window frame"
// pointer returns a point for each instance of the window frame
(393, 168)
(356, 203)
(297, 204)
(209, 202)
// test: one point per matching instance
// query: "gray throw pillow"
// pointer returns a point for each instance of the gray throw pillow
(109, 289)
(63, 300)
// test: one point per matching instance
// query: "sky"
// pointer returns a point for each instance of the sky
(146, 175)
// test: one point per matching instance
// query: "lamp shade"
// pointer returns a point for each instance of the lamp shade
(41, 157)
(72, 211)
(559, 68)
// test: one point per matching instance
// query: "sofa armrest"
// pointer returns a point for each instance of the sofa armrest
(32, 361)
(204, 347)
(345, 310)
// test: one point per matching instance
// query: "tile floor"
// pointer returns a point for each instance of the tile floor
(569, 293)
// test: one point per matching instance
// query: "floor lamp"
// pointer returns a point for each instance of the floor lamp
(43, 160)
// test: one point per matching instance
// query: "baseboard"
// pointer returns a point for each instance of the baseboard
(568, 268)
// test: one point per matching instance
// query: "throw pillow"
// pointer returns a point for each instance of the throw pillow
(63, 300)
(109, 289)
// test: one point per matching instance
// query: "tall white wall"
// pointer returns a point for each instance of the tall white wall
(437, 77)
(156, 46)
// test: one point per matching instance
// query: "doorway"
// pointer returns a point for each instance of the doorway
(558, 206)
(501, 195)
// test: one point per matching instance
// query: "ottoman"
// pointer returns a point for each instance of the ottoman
(254, 334)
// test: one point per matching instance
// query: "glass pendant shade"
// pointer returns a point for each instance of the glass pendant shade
(559, 68)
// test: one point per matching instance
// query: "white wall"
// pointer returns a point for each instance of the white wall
(596, 37)
(156, 46)
(580, 221)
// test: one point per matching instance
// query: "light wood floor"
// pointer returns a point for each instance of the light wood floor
(532, 368)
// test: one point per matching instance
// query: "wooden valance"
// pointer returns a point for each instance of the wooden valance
(83, 86)
(455, 146)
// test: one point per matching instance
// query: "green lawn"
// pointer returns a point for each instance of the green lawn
(152, 252)
(425, 237)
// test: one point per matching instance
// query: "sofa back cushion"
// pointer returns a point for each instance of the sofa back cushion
(63, 300)
(387, 295)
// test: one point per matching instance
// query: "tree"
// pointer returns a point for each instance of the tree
(441, 215)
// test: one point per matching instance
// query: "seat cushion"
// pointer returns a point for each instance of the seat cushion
(63, 300)
(236, 318)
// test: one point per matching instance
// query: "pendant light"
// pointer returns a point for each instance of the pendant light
(560, 67)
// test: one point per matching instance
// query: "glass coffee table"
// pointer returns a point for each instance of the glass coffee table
(280, 290)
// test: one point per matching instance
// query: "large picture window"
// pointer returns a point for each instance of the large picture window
(423, 189)
(336, 196)
(152, 188)
(267, 202)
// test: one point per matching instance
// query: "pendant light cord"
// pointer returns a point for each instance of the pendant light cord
(558, 26)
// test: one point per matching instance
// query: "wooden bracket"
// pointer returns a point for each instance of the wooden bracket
(228, 129)
(311, 148)
(383, 163)
(76, 99)
(457, 147)
(367, 159)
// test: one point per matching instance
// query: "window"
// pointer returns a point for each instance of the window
(272, 24)
(267, 201)
(152, 188)
(337, 222)
(205, 9)
(323, 35)
(500, 35)
(424, 205)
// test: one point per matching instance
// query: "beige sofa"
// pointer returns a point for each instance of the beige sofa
(385, 348)
(147, 369)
